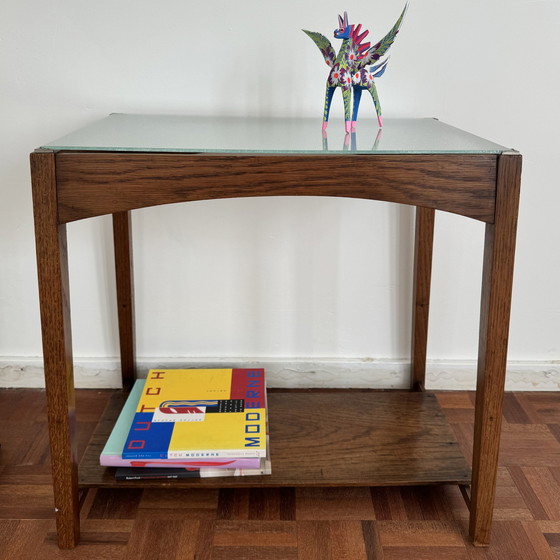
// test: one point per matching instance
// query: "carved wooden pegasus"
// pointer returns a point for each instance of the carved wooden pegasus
(350, 68)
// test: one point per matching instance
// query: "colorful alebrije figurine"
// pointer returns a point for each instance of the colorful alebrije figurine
(349, 68)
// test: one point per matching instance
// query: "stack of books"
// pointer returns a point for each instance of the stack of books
(183, 423)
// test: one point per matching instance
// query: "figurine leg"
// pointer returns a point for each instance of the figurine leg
(328, 99)
(373, 91)
(357, 96)
(347, 97)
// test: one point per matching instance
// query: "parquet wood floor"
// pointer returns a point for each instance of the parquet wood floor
(418, 523)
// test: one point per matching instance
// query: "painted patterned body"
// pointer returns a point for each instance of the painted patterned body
(350, 68)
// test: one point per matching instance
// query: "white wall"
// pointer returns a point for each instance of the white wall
(279, 278)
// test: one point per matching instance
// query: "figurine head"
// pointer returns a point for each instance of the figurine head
(343, 31)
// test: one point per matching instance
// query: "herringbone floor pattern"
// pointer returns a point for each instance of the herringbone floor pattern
(283, 524)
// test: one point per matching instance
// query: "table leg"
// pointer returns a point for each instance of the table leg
(499, 250)
(424, 240)
(125, 295)
(52, 267)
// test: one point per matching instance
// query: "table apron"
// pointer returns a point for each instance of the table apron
(98, 183)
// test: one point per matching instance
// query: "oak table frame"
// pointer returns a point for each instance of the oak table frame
(75, 184)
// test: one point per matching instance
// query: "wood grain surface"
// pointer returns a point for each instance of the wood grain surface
(124, 276)
(497, 283)
(354, 523)
(355, 438)
(423, 250)
(52, 272)
(97, 183)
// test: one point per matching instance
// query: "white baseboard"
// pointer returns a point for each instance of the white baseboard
(92, 373)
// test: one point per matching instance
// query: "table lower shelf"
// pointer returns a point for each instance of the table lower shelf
(328, 438)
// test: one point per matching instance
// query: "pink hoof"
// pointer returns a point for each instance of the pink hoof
(348, 127)
(325, 124)
(380, 120)
(353, 126)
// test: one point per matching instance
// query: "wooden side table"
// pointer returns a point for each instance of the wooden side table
(126, 162)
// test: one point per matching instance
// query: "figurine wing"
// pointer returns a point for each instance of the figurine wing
(324, 46)
(379, 49)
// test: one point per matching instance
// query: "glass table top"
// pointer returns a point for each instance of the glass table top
(169, 133)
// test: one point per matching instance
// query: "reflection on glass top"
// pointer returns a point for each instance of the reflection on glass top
(166, 133)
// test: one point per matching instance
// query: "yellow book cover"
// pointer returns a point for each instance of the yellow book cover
(185, 413)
